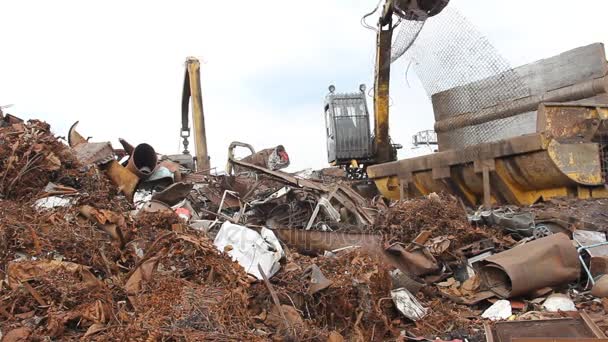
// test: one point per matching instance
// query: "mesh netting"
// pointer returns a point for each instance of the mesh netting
(448, 53)
(407, 35)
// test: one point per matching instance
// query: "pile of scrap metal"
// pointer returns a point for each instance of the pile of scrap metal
(503, 264)
(108, 244)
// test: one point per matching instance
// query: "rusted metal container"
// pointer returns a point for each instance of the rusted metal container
(567, 156)
(143, 161)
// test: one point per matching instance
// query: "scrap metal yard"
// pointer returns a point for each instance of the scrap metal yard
(499, 234)
(251, 257)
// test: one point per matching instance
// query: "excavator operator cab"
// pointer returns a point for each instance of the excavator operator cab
(347, 127)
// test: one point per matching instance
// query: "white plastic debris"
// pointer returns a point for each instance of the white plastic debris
(141, 197)
(499, 310)
(559, 302)
(249, 248)
(52, 202)
(407, 304)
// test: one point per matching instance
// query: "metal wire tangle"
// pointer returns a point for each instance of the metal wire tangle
(448, 52)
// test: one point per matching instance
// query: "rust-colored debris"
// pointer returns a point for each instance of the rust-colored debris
(93, 249)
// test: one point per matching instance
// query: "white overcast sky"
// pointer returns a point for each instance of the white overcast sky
(117, 66)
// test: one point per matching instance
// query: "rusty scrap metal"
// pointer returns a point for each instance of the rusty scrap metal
(550, 261)
(598, 265)
(318, 281)
(271, 158)
(317, 242)
(173, 194)
(126, 146)
(94, 153)
(74, 138)
(418, 262)
(581, 327)
(108, 221)
(282, 176)
(600, 287)
(154, 206)
(89, 153)
(9, 119)
(125, 180)
(143, 161)
(275, 298)
(580, 257)
(586, 238)
(173, 167)
(344, 195)
(168, 280)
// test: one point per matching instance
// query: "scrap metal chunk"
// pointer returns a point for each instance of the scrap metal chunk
(550, 261)
(545, 328)
(125, 180)
(94, 153)
(318, 281)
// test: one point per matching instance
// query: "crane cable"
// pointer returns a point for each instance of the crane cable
(364, 23)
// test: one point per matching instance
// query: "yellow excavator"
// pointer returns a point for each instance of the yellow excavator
(350, 143)
(555, 144)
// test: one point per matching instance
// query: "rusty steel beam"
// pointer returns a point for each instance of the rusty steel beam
(579, 91)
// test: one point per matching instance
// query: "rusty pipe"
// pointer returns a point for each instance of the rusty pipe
(503, 110)
(546, 262)
(126, 146)
(143, 161)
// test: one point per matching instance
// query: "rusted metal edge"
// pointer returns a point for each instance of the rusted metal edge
(550, 261)
(556, 339)
(584, 321)
(488, 331)
(590, 103)
(299, 182)
(74, 138)
(578, 91)
(312, 241)
(492, 150)
(275, 298)
(592, 326)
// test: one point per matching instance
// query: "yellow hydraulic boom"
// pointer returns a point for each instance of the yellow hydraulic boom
(192, 97)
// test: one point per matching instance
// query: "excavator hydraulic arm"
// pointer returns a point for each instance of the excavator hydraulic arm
(192, 97)
(381, 92)
(407, 10)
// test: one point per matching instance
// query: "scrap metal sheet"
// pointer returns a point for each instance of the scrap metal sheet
(550, 261)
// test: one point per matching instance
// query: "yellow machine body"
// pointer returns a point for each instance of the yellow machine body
(566, 157)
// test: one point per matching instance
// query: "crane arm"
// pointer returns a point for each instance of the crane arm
(192, 95)
(408, 10)
(381, 91)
